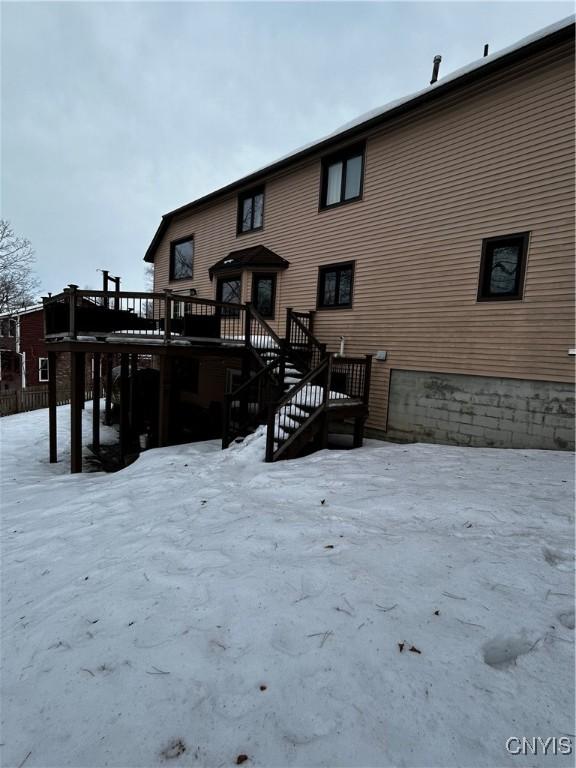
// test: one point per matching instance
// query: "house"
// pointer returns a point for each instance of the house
(24, 362)
(23, 355)
(421, 255)
(436, 233)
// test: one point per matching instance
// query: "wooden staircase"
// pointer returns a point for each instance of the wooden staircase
(297, 389)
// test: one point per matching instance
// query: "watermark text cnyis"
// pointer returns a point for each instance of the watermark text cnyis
(539, 745)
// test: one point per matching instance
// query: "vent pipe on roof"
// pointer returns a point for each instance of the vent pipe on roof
(435, 69)
(486, 49)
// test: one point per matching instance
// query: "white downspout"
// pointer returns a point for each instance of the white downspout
(342, 342)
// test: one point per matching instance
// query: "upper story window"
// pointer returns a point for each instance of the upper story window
(251, 210)
(8, 327)
(502, 267)
(182, 259)
(335, 285)
(342, 177)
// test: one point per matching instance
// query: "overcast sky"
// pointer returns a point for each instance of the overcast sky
(115, 113)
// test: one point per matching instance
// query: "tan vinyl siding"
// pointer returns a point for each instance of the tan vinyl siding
(495, 159)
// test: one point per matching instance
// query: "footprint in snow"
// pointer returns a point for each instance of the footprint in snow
(566, 618)
(562, 559)
(502, 652)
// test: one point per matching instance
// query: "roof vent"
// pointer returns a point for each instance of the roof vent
(486, 49)
(435, 69)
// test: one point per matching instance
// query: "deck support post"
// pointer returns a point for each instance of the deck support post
(108, 405)
(77, 363)
(96, 358)
(358, 439)
(124, 405)
(164, 400)
(82, 384)
(325, 417)
(52, 404)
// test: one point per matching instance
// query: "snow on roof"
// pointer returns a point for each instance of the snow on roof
(21, 311)
(364, 119)
(473, 66)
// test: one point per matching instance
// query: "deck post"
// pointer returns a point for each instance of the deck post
(77, 363)
(164, 400)
(108, 405)
(72, 308)
(96, 358)
(82, 385)
(124, 405)
(52, 403)
(358, 439)
(269, 456)
(248, 325)
(167, 314)
(288, 325)
(367, 378)
(325, 419)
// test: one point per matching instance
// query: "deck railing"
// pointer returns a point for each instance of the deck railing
(247, 406)
(162, 317)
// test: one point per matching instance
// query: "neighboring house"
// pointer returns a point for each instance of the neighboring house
(436, 233)
(23, 355)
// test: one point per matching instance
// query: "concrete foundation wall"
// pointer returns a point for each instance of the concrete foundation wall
(480, 411)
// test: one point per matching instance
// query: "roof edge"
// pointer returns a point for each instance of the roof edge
(561, 31)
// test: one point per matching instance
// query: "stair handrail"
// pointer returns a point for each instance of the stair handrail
(276, 407)
(267, 369)
(312, 342)
(236, 394)
(252, 312)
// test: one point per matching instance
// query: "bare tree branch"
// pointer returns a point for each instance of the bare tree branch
(18, 283)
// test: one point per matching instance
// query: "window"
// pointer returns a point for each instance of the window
(182, 259)
(502, 267)
(264, 294)
(250, 210)
(335, 285)
(43, 369)
(342, 177)
(229, 289)
(8, 327)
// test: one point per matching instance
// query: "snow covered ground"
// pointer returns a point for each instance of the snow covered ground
(389, 606)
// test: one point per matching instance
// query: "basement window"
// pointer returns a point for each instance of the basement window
(251, 211)
(43, 369)
(342, 177)
(502, 267)
(182, 259)
(335, 284)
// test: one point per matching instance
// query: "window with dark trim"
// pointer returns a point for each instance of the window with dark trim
(229, 290)
(42, 369)
(8, 327)
(182, 259)
(342, 177)
(335, 284)
(264, 294)
(502, 267)
(250, 211)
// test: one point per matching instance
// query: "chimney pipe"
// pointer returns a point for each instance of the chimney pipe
(437, 60)
(486, 50)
